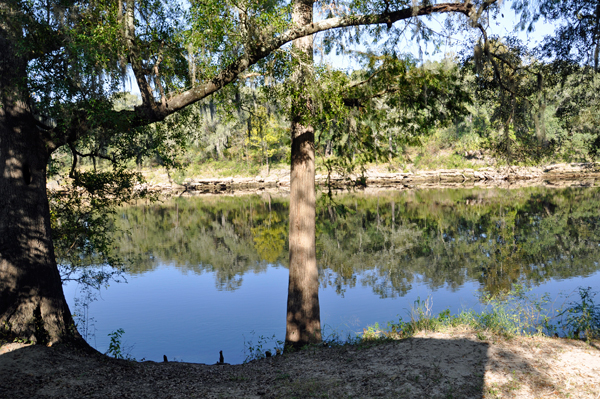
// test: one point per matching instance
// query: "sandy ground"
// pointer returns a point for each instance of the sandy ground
(455, 364)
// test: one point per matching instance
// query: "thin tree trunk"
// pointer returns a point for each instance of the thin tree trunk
(597, 39)
(266, 152)
(303, 314)
(249, 122)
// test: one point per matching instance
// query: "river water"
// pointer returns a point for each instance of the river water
(210, 273)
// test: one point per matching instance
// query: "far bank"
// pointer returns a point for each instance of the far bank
(278, 180)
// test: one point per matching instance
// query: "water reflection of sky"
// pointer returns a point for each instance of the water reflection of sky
(186, 317)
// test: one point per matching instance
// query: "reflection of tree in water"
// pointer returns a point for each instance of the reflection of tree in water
(388, 242)
(270, 238)
(199, 235)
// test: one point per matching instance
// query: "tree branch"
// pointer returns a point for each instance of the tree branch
(150, 111)
(253, 55)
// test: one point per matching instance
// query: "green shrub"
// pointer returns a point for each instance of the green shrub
(582, 317)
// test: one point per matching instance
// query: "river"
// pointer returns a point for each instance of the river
(209, 273)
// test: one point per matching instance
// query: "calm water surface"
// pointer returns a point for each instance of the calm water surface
(210, 273)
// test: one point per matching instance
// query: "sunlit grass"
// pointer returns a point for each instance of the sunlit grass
(516, 313)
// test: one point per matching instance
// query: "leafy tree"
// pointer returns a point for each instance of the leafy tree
(392, 102)
(303, 320)
(303, 323)
(572, 53)
(265, 135)
(511, 81)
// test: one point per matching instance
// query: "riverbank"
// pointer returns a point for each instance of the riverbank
(457, 363)
(375, 178)
(558, 175)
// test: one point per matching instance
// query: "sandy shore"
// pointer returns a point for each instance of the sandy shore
(454, 364)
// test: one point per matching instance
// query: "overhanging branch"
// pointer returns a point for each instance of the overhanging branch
(151, 111)
(231, 73)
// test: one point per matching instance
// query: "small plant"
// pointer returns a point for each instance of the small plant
(581, 317)
(420, 319)
(372, 332)
(85, 324)
(115, 348)
(258, 351)
(513, 313)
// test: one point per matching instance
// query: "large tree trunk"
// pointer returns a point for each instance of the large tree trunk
(303, 314)
(32, 303)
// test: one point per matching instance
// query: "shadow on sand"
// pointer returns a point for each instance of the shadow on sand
(434, 366)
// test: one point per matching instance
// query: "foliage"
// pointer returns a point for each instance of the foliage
(85, 324)
(510, 80)
(83, 228)
(265, 346)
(581, 317)
(577, 110)
(115, 348)
(374, 112)
(516, 313)
(572, 53)
(390, 108)
(575, 38)
(265, 134)
(419, 319)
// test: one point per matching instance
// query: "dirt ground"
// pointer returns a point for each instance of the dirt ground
(456, 364)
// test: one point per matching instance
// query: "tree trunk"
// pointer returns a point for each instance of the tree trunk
(267, 158)
(303, 315)
(32, 303)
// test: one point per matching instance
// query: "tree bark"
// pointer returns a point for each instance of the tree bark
(32, 303)
(303, 314)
